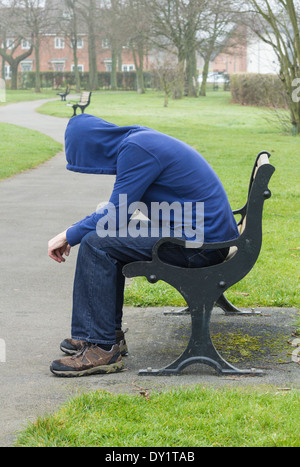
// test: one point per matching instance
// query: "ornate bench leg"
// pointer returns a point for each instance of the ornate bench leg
(200, 349)
(179, 312)
(230, 309)
(222, 303)
(75, 106)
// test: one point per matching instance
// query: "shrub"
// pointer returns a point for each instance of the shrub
(261, 90)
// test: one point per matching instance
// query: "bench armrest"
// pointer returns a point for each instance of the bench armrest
(196, 245)
(241, 211)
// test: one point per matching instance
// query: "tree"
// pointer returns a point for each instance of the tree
(219, 31)
(70, 23)
(279, 26)
(137, 22)
(38, 19)
(113, 28)
(176, 23)
(169, 77)
(18, 31)
(89, 10)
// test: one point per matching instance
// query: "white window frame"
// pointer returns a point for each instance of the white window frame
(7, 72)
(80, 43)
(28, 64)
(80, 68)
(59, 43)
(25, 44)
(9, 43)
(108, 64)
(128, 67)
(58, 63)
(105, 44)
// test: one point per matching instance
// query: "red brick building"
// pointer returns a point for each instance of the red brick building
(232, 61)
(56, 54)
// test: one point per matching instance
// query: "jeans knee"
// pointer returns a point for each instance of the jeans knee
(90, 240)
(92, 244)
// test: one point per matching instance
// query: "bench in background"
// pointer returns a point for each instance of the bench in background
(85, 100)
(63, 95)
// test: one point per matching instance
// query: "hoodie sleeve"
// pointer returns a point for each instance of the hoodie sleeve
(137, 169)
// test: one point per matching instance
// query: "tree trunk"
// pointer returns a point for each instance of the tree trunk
(179, 89)
(120, 58)
(14, 74)
(37, 64)
(140, 81)
(3, 69)
(139, 66)
(76, 71)
(114, 60)
(75, 48)
(204, 76)
(93, 79)
(295, 117)
(93, 74)
(191, 74)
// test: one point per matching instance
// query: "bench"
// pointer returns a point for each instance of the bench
(202, 288)
(85, 100)
(63, 95)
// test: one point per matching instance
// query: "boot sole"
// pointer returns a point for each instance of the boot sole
(103, 369)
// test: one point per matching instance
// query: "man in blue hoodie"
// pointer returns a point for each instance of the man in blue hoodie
(151, 169)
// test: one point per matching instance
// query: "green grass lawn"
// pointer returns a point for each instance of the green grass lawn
(186, 417)
(22, 149)
(229, 137)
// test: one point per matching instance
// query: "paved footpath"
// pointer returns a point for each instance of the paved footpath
(36, 299)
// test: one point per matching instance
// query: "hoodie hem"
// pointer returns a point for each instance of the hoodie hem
(86, 170)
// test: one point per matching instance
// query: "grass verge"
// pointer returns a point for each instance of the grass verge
(22, 149)
(186, 417)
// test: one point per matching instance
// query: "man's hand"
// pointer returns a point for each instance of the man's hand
(59, 246)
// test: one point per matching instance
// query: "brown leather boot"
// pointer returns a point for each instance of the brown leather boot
(72, 346)
(90, 360)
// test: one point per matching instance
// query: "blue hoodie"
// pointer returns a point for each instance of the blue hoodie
(149, 167)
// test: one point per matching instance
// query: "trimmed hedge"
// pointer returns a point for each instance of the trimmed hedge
(58, 79)
(258, 90)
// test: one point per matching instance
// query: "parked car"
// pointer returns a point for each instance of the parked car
(214, 77)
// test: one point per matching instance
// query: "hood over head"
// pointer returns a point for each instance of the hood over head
(92, 144)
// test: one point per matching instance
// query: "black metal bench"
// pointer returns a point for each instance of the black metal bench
(203, 287)
(85, 100)
(63, 95)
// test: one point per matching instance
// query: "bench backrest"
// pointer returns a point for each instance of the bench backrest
(262, 159)
(85, 97)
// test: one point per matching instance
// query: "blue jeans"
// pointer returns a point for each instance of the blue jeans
(99, 283)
